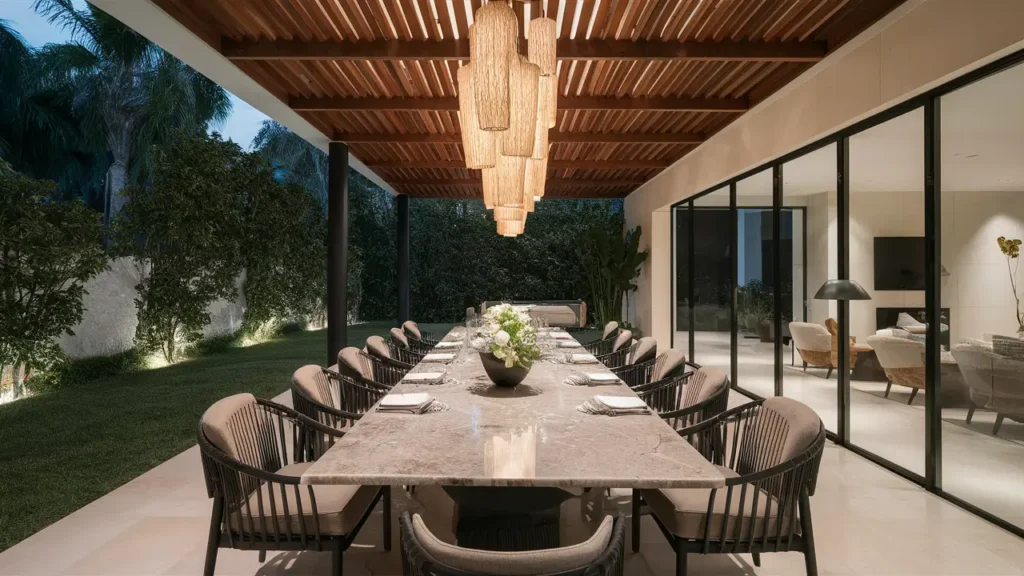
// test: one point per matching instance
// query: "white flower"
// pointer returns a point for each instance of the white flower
(501, 338)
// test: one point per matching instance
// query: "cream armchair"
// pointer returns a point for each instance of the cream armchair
(902, 360)
(814, 343)
(995, 382)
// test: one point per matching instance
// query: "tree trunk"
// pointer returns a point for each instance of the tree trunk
(17, 381)
(117, 176)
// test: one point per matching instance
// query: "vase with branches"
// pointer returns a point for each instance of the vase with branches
(1010, 247)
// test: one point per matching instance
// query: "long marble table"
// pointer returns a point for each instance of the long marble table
(531, 435)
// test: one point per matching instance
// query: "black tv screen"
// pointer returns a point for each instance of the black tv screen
(899, 263)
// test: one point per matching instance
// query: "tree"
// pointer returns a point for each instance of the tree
(612, 262)
(48, 251)
(300, 162)
(186, 230)
(127, 93)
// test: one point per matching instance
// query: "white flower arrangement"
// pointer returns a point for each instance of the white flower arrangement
(509, 334)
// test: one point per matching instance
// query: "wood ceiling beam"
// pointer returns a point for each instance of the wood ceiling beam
(554, 137)
(552, 164)
(568, 49)
(474, 182)
(671, 104)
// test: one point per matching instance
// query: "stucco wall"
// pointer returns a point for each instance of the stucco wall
(919, 45)
(109, 322)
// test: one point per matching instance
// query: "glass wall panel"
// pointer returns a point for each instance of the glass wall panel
(809, 256)
(712, 287)
(886, 242)
(755, 304)
(982, 377)
(681, 274)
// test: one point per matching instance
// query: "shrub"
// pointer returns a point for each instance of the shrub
(48, 251)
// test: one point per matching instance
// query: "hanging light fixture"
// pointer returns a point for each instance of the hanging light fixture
(508, 213)
(540, 49)
(493, 41)
(552, 108)
(511, 179)
(511, 228)
(478, 144)
(524, 80)
(536, 176)
(540, 141)
(490, 185)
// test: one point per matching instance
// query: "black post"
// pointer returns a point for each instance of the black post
(337, 250)
(403, 258)
(734, 266)
(693, 281)
(777, 268)
(843, 244)
(933, 293)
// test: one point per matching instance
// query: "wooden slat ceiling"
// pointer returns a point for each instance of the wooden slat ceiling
(641, 82)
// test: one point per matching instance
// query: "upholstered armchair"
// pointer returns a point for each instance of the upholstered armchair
(254, 453)
(330, 398)
(621, 350)
(392, 353)
(995, 382)
(369, 370)
(814, 344)
(669, 364)
(412, 329)
(902, 360)
(400, 339)
(689, 398)
(604, 345)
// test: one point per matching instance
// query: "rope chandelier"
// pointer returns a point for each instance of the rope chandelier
(507, 104)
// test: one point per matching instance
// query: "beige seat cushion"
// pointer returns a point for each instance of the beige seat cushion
(549, 561)
(684, 511)
(623, 339)
(704, 385)
(413, 329)
(646, 348)
(376, 346)
(609, 329)
(339, 508)
(555, 315)
(352, 364)
(668, 364)
(399, 336)
(314, 383)
(216, 421)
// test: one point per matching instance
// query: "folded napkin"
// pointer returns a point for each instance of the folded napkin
(439, 357)
(448, 345)
(570, 344)
(582, 359)
(411, 403)
(559, 335)
(614, 406)
(592, 378)
(424, 377)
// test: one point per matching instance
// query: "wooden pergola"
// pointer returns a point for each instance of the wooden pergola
(641, 82)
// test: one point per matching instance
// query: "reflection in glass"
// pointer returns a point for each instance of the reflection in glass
(755, 298)
(713, 278)
(681, 272)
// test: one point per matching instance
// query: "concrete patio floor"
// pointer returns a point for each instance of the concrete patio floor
(867, 522)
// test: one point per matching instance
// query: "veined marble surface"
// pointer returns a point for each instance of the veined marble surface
(531, 435)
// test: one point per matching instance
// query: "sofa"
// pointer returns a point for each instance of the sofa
(995, 381)
(902, 359)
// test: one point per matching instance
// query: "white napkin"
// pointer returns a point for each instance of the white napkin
(448, 345)
(424, 377)
(413, 403)
(619, 403)
(601, 377)
(560, 335)
(584, 359)
(570, 344)
(439, 357)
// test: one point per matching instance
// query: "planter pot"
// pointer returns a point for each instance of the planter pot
(499, 374)
(765, 332)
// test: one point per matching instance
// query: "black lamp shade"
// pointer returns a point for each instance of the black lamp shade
(842, 290)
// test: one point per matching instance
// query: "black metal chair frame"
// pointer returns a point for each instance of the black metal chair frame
(727, 440)
(355, 398)
(416, 347)
(674, 401)
(638, 374)
(417, 562)
(233, 483)
(386, 374)
(603, 346)
(399, 356)
(618, 358)
(427, 339)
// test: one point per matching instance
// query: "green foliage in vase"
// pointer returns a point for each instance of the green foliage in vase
(612, 263)
(1010, 247)
(510, 336)
(48, 251)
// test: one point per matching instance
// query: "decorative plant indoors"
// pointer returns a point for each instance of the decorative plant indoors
(612, 263)
(1011, 249)
(508, 345)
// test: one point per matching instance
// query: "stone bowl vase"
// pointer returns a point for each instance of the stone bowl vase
(501, 375)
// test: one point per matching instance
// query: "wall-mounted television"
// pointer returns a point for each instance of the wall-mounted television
(899, 263)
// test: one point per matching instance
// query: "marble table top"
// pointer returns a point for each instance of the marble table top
(531, 435)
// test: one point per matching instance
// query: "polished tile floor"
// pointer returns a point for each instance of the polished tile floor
(985, 470)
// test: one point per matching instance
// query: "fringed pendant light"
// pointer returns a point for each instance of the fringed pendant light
(536, 177)
(493, 41)
(511, 228)
(504, 213)
(490, 185)
(478, 144)
(524, 80)
(552, 101)
(511, 175)
(541, 46)
(540, 141)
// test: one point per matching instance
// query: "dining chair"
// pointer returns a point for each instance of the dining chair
(666, 365)
(688, 398)
(253, 454)
(366, 369)
(390, 353)
(621, 350)
(423, 554)
(769, 452)
(604, 345)
(330, 398)
(401, 340)
(412, 329)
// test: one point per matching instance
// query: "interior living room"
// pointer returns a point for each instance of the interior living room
(981, 392)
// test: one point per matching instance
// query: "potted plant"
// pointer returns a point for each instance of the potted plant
(508, 345)
(1010, 247)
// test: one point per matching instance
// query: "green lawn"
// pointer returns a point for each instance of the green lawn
(62, 450)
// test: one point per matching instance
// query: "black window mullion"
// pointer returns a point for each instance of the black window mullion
(933, 296)
(777, 272)
(843, 244)
(734, 326)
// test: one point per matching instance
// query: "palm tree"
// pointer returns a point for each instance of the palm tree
(301, 162)
(128, 93)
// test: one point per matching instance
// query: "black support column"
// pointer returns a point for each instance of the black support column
(843, 312)
(403, 258)
(734, 270)
(777, 272)
(337, 250)
(933, 292)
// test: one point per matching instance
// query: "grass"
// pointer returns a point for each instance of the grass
(64, 449)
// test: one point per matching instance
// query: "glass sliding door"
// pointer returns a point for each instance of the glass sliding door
(887, 258)
(712, 281)
(681, 271)
(809, 254)
(982, 375)
(755, 285)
